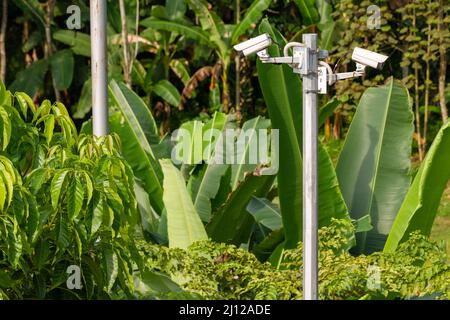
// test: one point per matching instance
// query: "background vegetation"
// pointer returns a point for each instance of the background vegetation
(67, 198)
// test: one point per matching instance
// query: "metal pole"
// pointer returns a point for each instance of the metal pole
(99, 68)
(310, 247)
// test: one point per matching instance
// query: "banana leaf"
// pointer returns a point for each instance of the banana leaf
(232, 223)
(184, 226)
(282, 91)
(139, 135)
(252, 16)
(373, 167)
(419, 208)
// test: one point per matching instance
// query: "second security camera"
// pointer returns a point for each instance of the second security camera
(254, 45)
(369, 58)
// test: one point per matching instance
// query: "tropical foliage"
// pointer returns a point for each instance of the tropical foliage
(165, 207)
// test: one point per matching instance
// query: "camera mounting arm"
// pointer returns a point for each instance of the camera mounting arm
(295, 61)
(300, 64)
(298, 61)
(333, 77)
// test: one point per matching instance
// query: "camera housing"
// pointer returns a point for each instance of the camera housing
(254, 45)
(368, 58)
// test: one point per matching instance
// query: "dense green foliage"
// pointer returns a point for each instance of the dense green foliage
(180, 58)
(143, 221)
(68, 199)
(218, 271)
(65, 200)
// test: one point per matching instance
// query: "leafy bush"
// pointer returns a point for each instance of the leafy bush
(65, 199)
(220, 271)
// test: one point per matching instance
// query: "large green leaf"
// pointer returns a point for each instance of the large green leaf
(373, 167)
(75, 198)
(326, 25)
(331, 202)
(34, 9)
(281, 89)
(252, 16)
(325, 10)
(138, 131)
(191, 32)
(135, 109)
(213, 172)
(232, 223)
(84, 104)
(5, 128)
(62, 230)
(175, 9)
(112, 267)
(98, 212)
(189, 148)
(180, 69)
(265, 213)
(184, 226)
(61, 64)
(149, 283)
(14, 243)
(247, 149)
(211, 24)
(56, 186)
(282, 92)
(30, 79)
(327, 110)
(327, 35)
(419, 208)
(168, 92)
(138, 159)
(80, 42)
(3, 191)
(268, 246)
(308, 11)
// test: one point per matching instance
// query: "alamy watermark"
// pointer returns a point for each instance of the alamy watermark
(373, 277)
(74, 279)
(74, 20)
(231, 146)
(374, 17)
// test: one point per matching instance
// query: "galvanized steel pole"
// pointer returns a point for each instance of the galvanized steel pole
(99, 68)
(310, 174)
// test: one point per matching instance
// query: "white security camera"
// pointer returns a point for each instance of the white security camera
(369, 58)
(254, 45)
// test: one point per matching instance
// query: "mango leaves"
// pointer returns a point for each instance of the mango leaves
(63, 196)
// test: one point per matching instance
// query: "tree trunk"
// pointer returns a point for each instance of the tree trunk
(48, 48)
(442, 64)
(427, 90)
(125, 46)
(416, 95)
(225, 89)
(337, 125)
(237, 68)
(2, 40)
(327, 127)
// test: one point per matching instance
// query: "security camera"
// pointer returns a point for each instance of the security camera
(254, 45)
(369, 58)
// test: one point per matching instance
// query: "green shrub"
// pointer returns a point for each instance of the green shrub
(65, 199)
(219, 271)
